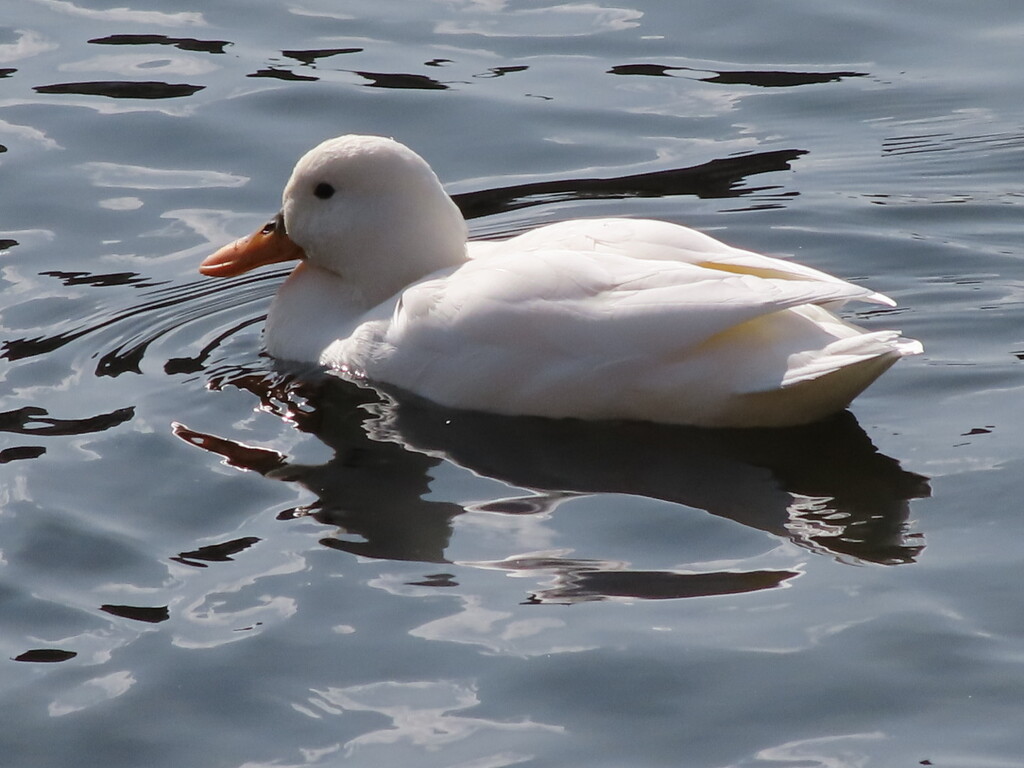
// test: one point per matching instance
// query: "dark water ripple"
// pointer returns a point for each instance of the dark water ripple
(182, 43)
(311, 56)
(719, 178)
(147, 614)
(215, 553)
(21, 452)
(110, 280)
(123, 89)
(763, 79)
(36, 421)
(46, 655)
(32, 420)
(401, 81)
(282, 74)
(587, 582)
(134, 328)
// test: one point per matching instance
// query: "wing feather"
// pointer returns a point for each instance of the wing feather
(662, 240)
(576, 306)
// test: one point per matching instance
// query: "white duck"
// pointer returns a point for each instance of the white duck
(590, 318)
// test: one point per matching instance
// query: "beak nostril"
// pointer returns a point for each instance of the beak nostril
(275, 225)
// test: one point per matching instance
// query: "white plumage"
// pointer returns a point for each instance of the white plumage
(594, 319)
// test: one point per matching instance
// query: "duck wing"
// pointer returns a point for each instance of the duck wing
(662, 240)
(572, 332)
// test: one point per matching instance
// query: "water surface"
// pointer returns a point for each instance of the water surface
(208, 561)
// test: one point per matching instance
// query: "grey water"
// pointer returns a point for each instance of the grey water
(208, 561)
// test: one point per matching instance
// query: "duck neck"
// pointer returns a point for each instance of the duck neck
(312, 308)
(409, 240)
(414, 243)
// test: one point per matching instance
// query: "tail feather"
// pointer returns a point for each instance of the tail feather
(845, 353)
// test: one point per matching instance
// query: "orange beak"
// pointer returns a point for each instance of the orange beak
(269, 245)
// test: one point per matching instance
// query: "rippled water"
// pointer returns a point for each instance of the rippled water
(208, 561)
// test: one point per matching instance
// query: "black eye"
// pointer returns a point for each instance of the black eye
(323, 190)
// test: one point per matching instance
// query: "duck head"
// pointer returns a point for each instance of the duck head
(366, 208)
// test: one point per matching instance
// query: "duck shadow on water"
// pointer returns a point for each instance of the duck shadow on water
(824, 487)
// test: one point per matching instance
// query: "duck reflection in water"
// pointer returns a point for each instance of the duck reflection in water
(824, 487)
